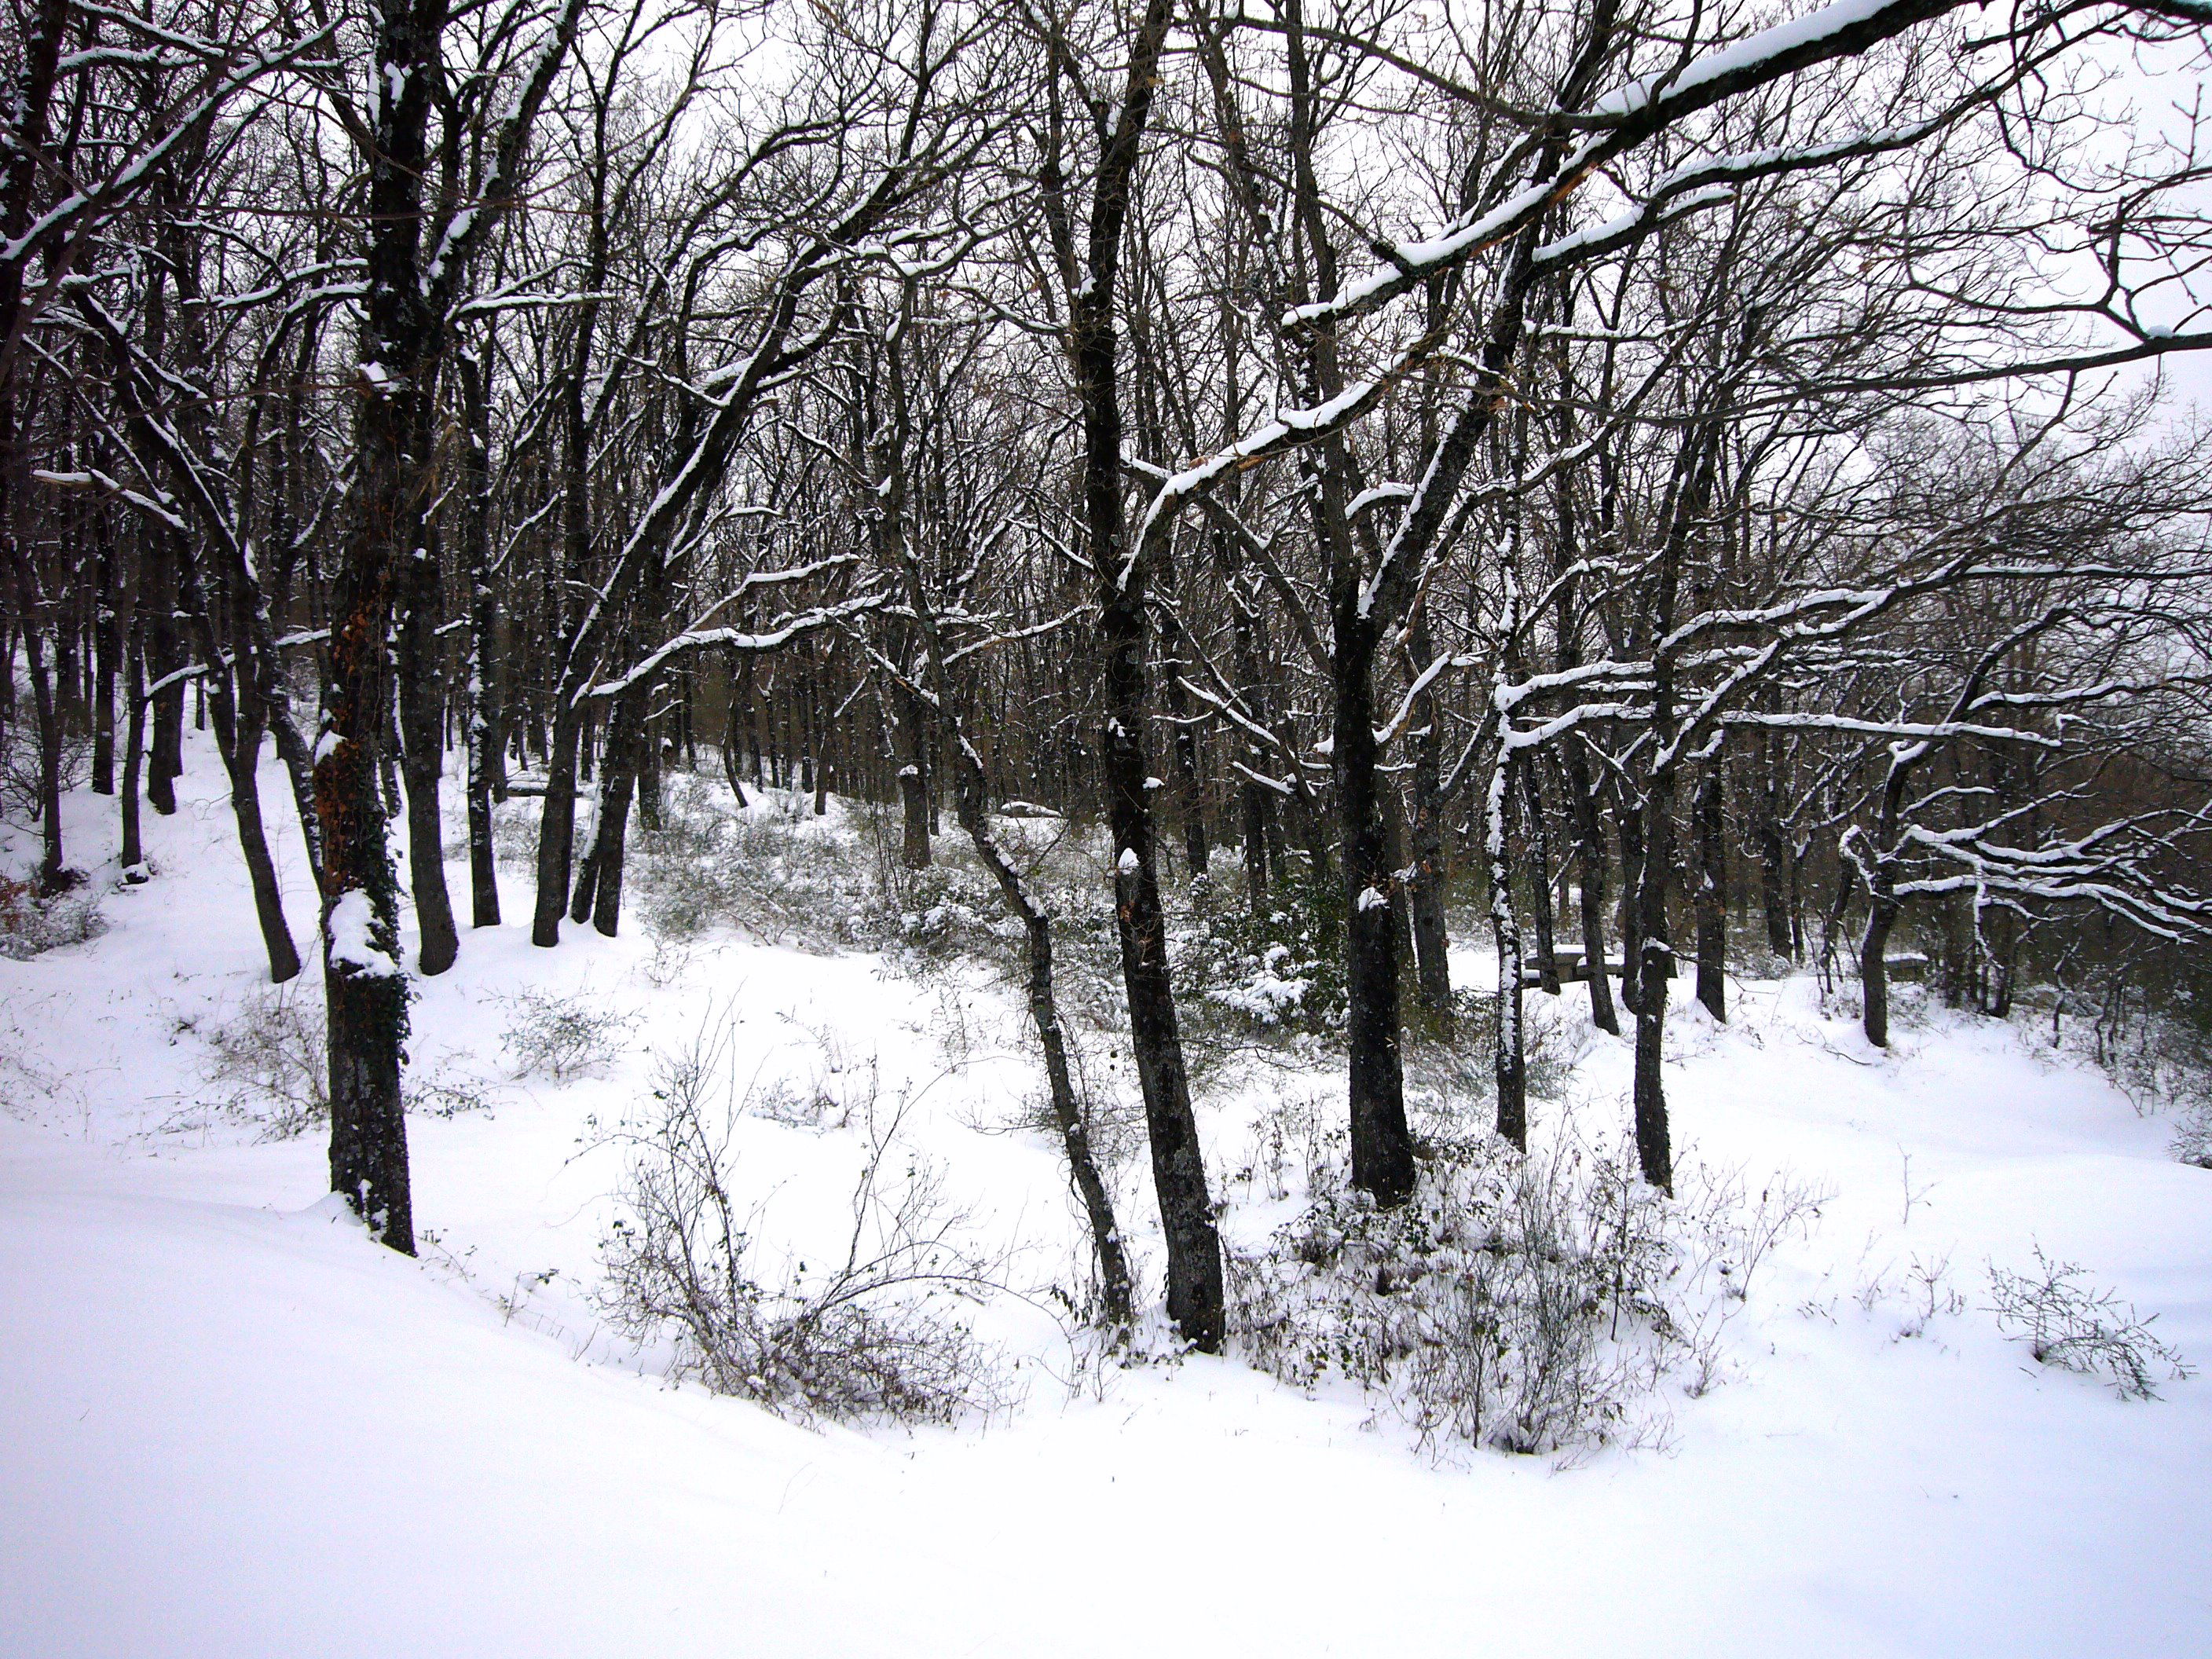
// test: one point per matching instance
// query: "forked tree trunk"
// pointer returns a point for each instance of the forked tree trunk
(1196, 1298)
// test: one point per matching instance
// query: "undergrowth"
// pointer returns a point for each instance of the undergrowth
(875, 1332)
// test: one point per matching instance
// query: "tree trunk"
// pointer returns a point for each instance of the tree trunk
(164, 658)
(1511, 1059)
(133, 855)
(557, 824)
(481, 733)
(106, 637)
(1874, 964)
(1381, 1142)
(1589, 849)
(1424, 841)
(241, 757)
(422, 702)
(1711, 901)
(1196, 1293)
(1539, 842)
(1655, 965)
(914, 788)
(1773, 859)
(366, 989)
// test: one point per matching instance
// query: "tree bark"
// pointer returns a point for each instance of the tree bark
(422, 700)
(481, 732)
(1195, 1293)
(1711, 900)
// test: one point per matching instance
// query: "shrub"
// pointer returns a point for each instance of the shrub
(550, 1034)
(1515, 1302)
(2067, 1322)
(269, 1064)
(31, 925)
(874, 1335)
(1275, 970)
(772, 873)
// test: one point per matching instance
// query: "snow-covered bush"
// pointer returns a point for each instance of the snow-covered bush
(1518, 1303)
(1275, 970)
(767, 872)
(2192, 1133)
(558, 1037)
(943, 911)
(876, 1333)
(2067, 1321)
(30, 924)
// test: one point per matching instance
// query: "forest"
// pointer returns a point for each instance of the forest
(1372, 606)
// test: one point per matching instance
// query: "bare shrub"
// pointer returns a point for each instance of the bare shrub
(1294, 1144)
(875, 1334)
(2192, 1133)
(268, 1066)
(560, 1036)
(1517, 1302)
(2068, 1321)
(1739, 1230)
(448, 1094)
(269, 1063)
(31, 925)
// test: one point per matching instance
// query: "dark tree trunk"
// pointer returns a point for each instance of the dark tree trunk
(1711, 900)
(241, 755)
(1190, 801)
(45, 716)
(1424, 841)
(1381, 1142)
(913, 787)
(238, 733)
(1655, 965)
(422, 702)
(106, 638)
(366, 989)
(1590, 848)
(598, 897)
(1874, 966)
(1773, 859)
(1539, 842)
(481, 732)
(1511, 1057)
(557, 826)
(1195, 1293)
(1254, 803)
(133, 855)
(1629, 821)
(732, 748)
(164, 761)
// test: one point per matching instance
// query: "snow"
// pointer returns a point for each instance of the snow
(352, 943)
(230, 1425)
(1750, 53)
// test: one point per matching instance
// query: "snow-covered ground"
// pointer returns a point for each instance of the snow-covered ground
(231, 1425)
